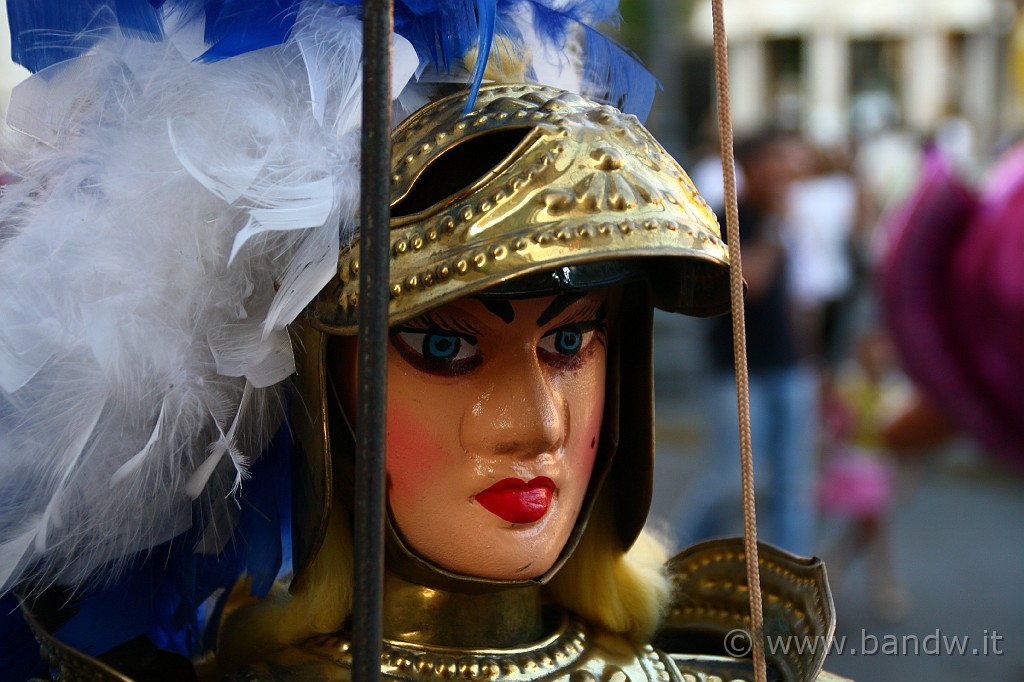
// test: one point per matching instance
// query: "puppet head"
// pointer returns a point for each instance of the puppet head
(535, 195)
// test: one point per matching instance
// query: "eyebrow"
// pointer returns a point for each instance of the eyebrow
(556, 307)
(501, 308)
(433, 319)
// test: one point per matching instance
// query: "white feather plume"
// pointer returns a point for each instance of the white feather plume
(171, 219)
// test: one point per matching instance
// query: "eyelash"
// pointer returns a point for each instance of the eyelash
(419, 359)
(417, 353)
(591, 332)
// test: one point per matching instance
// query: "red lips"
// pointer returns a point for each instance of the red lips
(517, 501)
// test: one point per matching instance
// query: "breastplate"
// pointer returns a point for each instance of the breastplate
(707, 603)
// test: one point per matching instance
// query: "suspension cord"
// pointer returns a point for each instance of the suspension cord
(739, 339)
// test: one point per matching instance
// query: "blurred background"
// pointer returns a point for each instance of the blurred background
(920, 540)
(934, 540)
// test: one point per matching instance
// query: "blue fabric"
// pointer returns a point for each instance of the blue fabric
(19, 652)
(45, 32)
(162, 594)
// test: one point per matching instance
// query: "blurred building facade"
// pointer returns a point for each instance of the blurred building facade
(851, 67)
(829, 69)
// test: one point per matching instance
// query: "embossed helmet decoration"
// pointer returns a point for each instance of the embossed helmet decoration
(530, 180)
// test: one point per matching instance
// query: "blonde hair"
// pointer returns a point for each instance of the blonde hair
(318, 603)
(624, 592)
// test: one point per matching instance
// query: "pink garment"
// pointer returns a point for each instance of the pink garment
(855, 484)
(953, 294)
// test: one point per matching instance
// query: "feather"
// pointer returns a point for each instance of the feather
(610, 73)
(143, 339)
(443, 33)
(24, 350)
(282, 207)
(46, 33)
(226, 444)
(234, 27)
(135, 463)
(188, 175)
(68, 460)
(486, 11)
(14, 551)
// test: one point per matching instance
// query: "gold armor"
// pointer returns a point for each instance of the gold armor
(562, 180)
(710, 602)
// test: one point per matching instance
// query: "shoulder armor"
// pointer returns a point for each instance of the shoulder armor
(709, 618)
(136, 659)
(67, 663)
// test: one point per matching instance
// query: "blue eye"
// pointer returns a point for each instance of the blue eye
(437, 351)
(441, 347)
(568, 341)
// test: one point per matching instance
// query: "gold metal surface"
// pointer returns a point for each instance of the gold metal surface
(566, 649)
(711, 601)
(586, 183)
(66, 663)
(312, 464)
(494, 618)
(571, 651)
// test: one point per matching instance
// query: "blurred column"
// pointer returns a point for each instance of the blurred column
(748, 74)
(926, 74)
(826, 68)
(981, 72)
(664, 58)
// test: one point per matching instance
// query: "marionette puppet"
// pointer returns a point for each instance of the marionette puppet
(179, 268)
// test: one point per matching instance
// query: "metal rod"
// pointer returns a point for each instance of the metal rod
(368, 516)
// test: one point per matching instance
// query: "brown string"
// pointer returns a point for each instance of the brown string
(739, 337)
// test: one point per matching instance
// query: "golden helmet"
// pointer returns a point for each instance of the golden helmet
(535, 190)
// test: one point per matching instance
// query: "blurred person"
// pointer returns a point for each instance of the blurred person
(824, 208)
(859, 473)
(888, 165)
(706, 169)
(783, 402)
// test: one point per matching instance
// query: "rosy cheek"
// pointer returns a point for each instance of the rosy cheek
(413, 453)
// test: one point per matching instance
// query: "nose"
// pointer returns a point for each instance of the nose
(520, 412)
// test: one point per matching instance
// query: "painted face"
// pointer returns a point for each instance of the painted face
(494, 416)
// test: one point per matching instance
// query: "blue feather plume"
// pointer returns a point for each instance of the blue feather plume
(234, 27)
(164, 594)
(611, 73)
(45, 32)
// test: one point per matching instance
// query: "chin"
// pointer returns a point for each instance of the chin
(507, 560)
